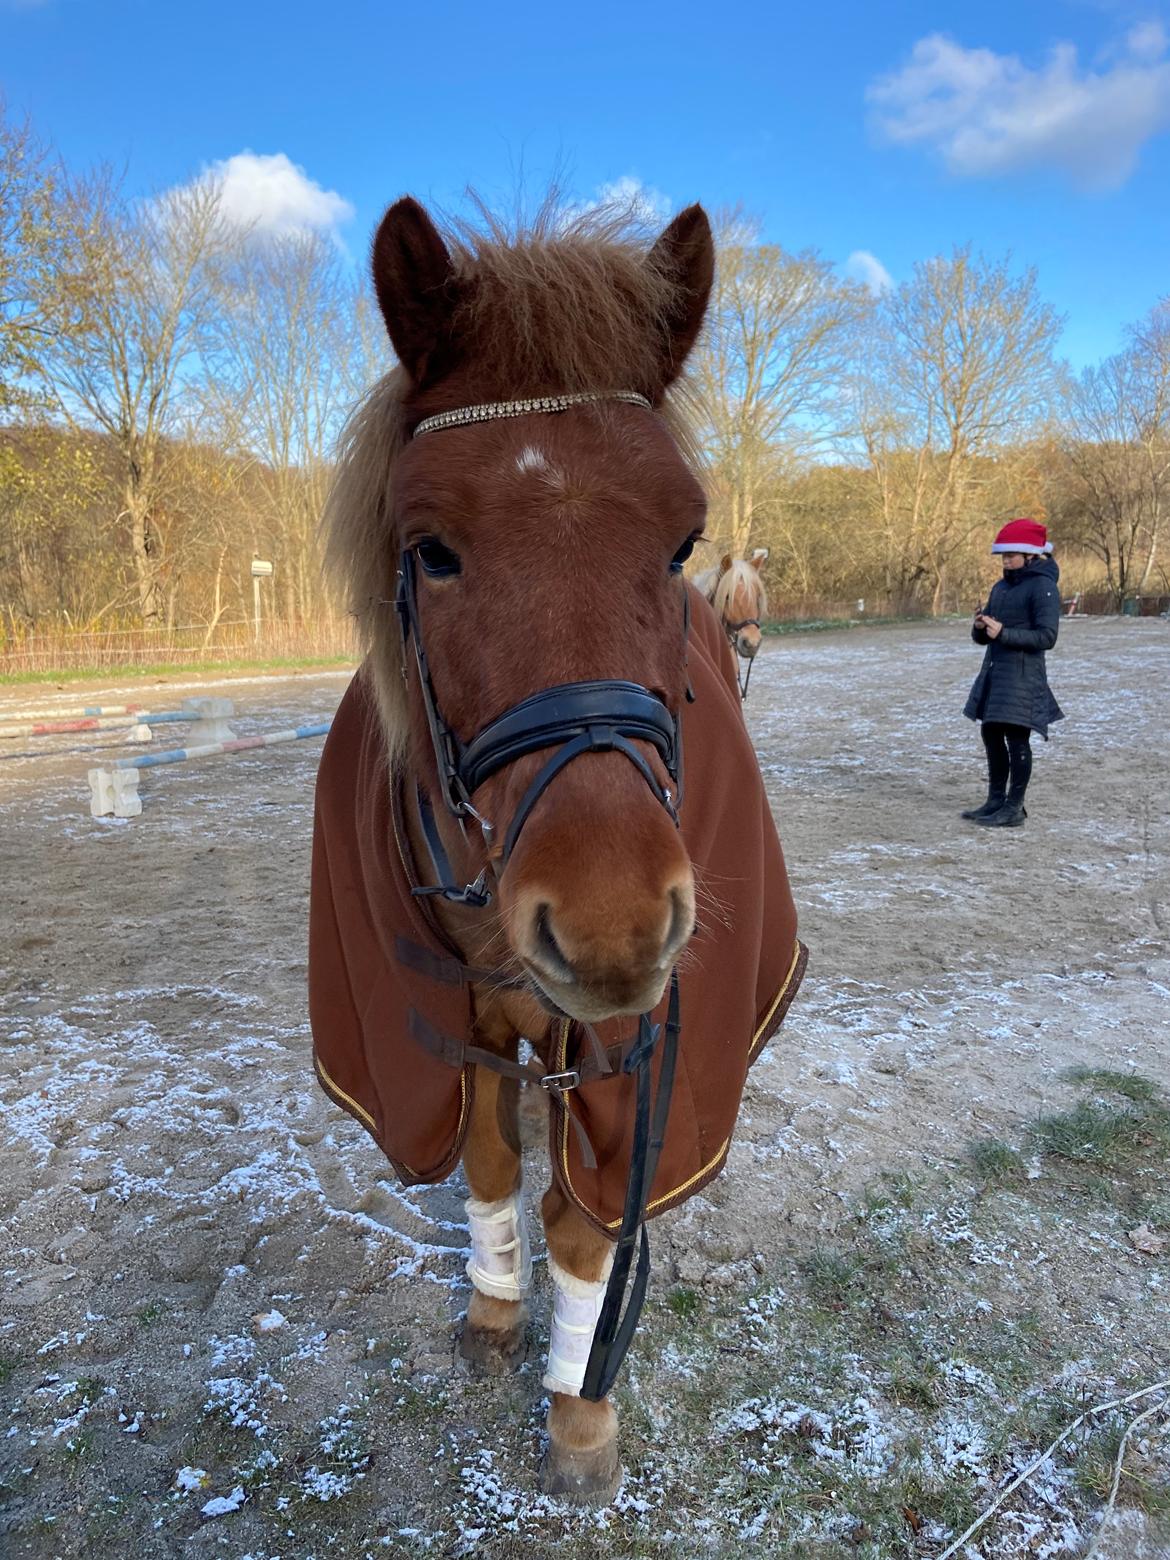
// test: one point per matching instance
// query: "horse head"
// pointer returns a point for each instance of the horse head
(740, 601)
(520, 485)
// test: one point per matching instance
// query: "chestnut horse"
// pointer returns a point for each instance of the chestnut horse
(515, 566)
(735, 588)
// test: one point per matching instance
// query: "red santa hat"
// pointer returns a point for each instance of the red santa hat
(1021, 536)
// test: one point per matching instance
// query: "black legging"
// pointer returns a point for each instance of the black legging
(1009, 757)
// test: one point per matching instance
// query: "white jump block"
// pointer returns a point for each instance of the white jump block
(210, 721)
(114, 793)
(139, 733)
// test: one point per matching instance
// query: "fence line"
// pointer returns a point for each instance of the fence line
(63, 649)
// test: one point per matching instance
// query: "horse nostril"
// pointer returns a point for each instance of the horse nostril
(682, 924)
(549, 950)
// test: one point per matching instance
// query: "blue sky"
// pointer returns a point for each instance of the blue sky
(886, 131)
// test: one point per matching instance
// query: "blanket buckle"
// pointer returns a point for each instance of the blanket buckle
(561, 1082)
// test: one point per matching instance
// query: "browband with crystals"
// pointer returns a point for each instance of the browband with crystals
(462, 415)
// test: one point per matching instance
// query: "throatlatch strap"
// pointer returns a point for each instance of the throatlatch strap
(615, 1330)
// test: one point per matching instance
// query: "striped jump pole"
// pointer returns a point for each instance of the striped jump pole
(75, 712)
(61, 728)
(208, 719)
(114, 791)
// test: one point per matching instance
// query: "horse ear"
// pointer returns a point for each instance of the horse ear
(759, 555)
(415, 283)
(685, 253)
(725, 563)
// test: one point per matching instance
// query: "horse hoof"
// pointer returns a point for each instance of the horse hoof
(587, 1478)
(494, 1352)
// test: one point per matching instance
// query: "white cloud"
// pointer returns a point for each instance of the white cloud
(988, 113)
(273, 195)
(861, 266)
(644, 202)
(1146, 41)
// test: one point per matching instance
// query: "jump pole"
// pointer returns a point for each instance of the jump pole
(75, 711)
(208, 718)
(114, 791)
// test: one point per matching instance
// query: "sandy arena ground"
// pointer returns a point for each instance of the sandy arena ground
(171, 1171)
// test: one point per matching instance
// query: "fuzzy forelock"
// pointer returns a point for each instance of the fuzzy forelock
(564, 301)
(742, 574)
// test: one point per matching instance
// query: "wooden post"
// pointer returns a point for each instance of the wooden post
(261, 570)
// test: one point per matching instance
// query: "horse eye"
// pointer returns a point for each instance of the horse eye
(680, 557)
(437, 561)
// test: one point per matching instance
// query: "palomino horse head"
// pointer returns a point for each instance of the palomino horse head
(736, 590)
(542, 549)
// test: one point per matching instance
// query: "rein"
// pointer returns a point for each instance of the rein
(731, 630)
(569, 719)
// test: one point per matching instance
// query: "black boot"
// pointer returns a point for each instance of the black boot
(995, 800)
(1010, 816)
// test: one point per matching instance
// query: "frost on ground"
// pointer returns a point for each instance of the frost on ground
(225, 1331)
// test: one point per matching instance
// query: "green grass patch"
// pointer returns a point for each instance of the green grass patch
(834, 1278)
(890, 1193)
(1126, 1117)
(1130, 1085)
(1139, 1486)
(1102, 1134)
(777, 629)
(995, 1162)
(685, 1303)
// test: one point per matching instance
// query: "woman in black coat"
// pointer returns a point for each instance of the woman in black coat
(1011, 695)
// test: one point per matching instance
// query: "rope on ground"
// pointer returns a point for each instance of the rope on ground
(1121, 1450)
(1089, 1413)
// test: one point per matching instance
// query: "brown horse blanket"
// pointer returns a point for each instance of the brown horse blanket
(381, 976)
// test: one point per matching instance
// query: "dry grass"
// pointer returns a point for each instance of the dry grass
(65, 649)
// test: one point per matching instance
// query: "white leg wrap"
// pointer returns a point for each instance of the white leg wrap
(500, 1262)
(576, 1309)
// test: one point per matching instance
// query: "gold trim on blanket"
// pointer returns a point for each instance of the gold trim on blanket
(340, 1097)
(760, 1036)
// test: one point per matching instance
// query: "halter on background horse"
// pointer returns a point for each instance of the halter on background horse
(735, 589)
(511, 518)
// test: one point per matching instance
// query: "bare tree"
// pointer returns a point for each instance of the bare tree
(26, 254)
(129, 306)
(958, 367)
(1112, 483)
(768, 373)
(284, 377)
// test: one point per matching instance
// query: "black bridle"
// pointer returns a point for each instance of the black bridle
(570, 719)
(733, 630)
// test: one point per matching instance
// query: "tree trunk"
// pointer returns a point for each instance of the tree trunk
(145, 566)
(1151, 554)
(741, 523)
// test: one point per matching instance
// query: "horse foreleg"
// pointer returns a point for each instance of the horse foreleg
(500, 1269)
(582, 1457)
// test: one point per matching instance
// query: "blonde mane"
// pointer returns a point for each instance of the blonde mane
(720, 589)
(568, 300)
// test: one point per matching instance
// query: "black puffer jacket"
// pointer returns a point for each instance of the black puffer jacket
(1012, 685)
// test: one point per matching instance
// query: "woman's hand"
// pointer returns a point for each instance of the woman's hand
(990, 625)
